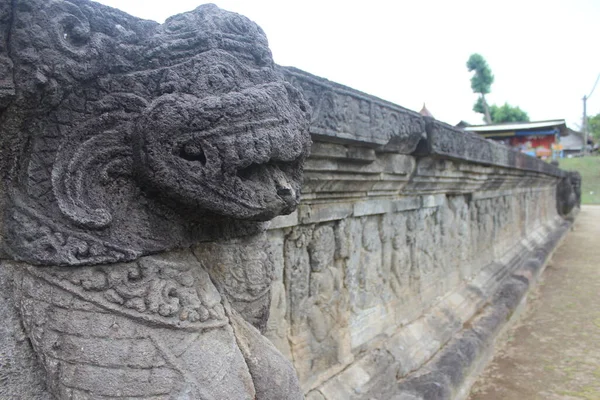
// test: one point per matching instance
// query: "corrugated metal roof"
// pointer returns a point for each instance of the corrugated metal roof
(516, 126)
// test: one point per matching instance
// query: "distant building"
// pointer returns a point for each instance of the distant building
(536, 138)
(573, 143)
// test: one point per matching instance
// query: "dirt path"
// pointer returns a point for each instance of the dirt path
(554, 351)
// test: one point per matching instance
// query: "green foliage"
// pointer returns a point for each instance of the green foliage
(478, 106)
(507, 113)
(482, 79)
(594, 126)
(481, 82)
(504, 113)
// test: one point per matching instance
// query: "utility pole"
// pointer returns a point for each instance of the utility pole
(585, 124)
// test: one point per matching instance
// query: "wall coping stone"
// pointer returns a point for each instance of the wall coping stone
(348, 116)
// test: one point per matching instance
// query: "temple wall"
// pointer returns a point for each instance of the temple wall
(397, 243)
(144, 172)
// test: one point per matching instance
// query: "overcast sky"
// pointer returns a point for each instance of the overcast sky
(545, 55)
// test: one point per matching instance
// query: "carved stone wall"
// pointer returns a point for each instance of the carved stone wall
(164, 233)
(352, 282)
(402, 219)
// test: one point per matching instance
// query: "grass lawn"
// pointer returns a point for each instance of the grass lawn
(589, 168)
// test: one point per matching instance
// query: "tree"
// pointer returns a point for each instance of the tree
(504, 113)
(481, 82)
(507, 113)
(593, 126)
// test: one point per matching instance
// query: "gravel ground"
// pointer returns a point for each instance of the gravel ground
(553, 351)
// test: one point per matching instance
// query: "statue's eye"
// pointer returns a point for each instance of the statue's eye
(193, 152)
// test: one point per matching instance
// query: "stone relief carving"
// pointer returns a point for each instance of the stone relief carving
(243, 270)
(123, 140)
(278, 327)
(317, 301)
(116, 122)
(92, 342)
(456, 237)
(397, 254)
(343, 112)
(327, 303)
(447, 141)
(138, 163)
(394, 265)
(370, 274)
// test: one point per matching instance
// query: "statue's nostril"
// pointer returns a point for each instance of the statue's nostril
(285, 192)
(193, 152)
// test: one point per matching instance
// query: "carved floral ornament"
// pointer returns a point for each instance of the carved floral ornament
(123, 137)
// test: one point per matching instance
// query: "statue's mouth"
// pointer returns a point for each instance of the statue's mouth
(246, 167)
(238, 154)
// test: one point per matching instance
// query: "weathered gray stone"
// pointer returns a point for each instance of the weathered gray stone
(568, 193)
(324, 212)
(164, 134)
(20, 373)
(413, 277)
(138, 163)
(446, 141)
(335, 178)
(345, 115)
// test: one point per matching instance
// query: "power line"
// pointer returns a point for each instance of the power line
(585, 127)
(594, 88)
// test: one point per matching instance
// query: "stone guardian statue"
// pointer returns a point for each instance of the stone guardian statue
(139, 162)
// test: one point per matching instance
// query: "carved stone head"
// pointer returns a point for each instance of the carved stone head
(123, 137)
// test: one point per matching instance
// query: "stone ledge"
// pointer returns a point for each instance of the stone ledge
(323, 212)
(446, 141)
(345, 115)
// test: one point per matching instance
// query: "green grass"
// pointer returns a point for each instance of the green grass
(589, 168)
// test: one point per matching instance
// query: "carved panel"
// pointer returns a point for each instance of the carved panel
(318, 304)
(346, 115)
